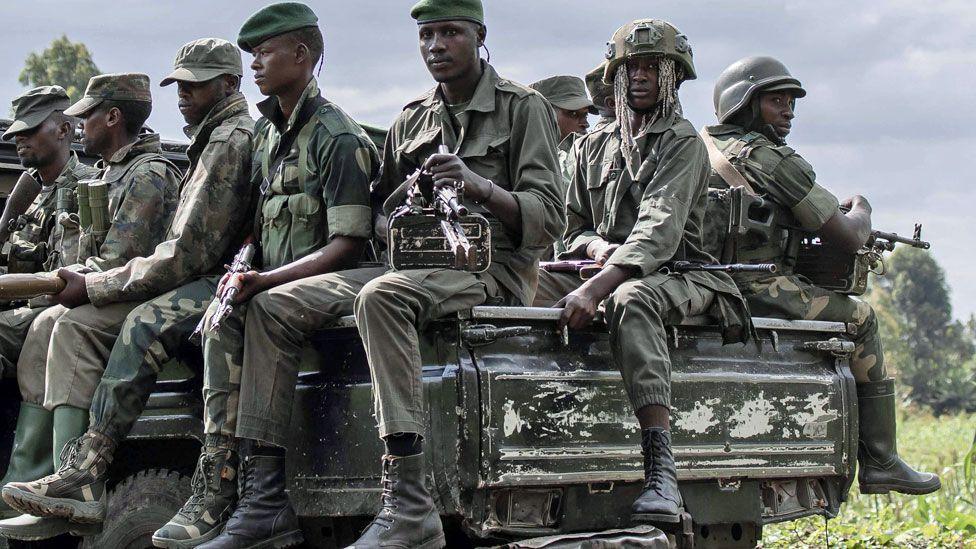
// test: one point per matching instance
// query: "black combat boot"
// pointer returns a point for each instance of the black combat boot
(660, 502)
(264, 518)
(881, 470)
(408, 518)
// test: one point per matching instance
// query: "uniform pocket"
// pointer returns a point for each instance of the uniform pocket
(276, 225)
(308, 232)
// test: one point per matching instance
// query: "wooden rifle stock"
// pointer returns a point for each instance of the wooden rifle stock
(25, 286)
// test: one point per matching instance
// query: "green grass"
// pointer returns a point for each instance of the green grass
(946, 518)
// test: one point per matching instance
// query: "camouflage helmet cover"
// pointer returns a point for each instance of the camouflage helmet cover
(648, 37)
(740, 82)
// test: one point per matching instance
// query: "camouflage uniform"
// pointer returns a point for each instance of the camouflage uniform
(41, 229)
(319, 191)
(142, 194)
(788, 184)
(509, 138)
(212, 213)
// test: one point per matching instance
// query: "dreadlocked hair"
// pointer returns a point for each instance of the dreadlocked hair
(669, 77)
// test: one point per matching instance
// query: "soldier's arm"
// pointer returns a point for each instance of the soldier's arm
(205, 224)
(348, 167)
(793, 184)
(141, 219)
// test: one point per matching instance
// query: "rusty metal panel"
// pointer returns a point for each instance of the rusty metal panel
(557, 413)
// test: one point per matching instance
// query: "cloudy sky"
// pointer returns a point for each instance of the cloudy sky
(890, 111)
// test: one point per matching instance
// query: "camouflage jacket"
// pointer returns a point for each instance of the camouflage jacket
(656, 216)
(785, 180)
(37, 242)
(507, 134)
(320, 189)
(142, 192)
(212, 212)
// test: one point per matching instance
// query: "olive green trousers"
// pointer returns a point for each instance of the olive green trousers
(252, 363)
(390, 311)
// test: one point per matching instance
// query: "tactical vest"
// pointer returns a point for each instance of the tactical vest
(293, 211)
(95, 226)
(767, 234)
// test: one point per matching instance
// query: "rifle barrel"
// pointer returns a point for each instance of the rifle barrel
(894, 237)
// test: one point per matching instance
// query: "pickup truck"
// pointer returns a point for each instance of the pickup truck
(531, 440)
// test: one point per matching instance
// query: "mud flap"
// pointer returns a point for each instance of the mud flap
(638, 537)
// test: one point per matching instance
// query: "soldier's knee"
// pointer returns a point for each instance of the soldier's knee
(379, 292)
(633, 295)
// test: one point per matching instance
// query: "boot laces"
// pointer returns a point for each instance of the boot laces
(386, 514)
(201, 484)
(245, 487)
(655, 477)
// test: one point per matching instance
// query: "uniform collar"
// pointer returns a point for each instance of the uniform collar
(144, 143)
(724, 129)
(483, 99)
(227, 107)
(270, 109)
(567, 143)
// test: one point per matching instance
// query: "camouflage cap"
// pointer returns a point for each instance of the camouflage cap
(32, 107)
(565, 92)
(274, 20)
(125, 86)
(599, 90)
(430, 11)
(205, 59)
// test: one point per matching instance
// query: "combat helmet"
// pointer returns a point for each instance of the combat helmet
(740, 82)
(644, 37)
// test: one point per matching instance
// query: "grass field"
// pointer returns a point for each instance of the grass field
(944, 519)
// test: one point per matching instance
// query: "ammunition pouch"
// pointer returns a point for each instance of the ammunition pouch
(417, 240)
(743, 228)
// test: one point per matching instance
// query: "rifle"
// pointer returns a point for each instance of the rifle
(26, 286)
(225, 298)
(887, 241)
(588, 268)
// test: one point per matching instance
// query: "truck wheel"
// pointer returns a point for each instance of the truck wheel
(138, 506)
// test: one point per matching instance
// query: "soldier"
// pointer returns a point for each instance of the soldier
(315, 165)
(213, 213)
(504, 135)
(142, 189)
(567, 95)
(637, 202)
(43, 134)
(601, 94)
(754, 102)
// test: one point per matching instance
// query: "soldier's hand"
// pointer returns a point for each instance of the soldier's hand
(601, 250)
(75, 292)
(579, 309)
(449, 168)
(856, 202)
(250, 284)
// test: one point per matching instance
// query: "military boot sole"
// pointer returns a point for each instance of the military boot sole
(912, 489)
(664, 521)
(170, 543)
(86, 512)
(438, 542)
(49, 528)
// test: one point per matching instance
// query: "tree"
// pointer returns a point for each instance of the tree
(933, 355)
(64, 63)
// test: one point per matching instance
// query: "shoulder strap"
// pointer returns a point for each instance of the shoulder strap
(722, 166)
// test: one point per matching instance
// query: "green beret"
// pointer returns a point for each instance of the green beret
(273, 20)
(126, 86)
(429, 11)
(32, 107)
(565, 92)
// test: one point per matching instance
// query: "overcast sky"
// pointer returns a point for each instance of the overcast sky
(890, 111)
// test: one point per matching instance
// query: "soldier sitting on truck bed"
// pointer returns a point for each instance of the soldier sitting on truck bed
(43, 134)
(754, 101)
(314, 165)
(637, 201)
(119, 334)
(503, 136)
(131, 204)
